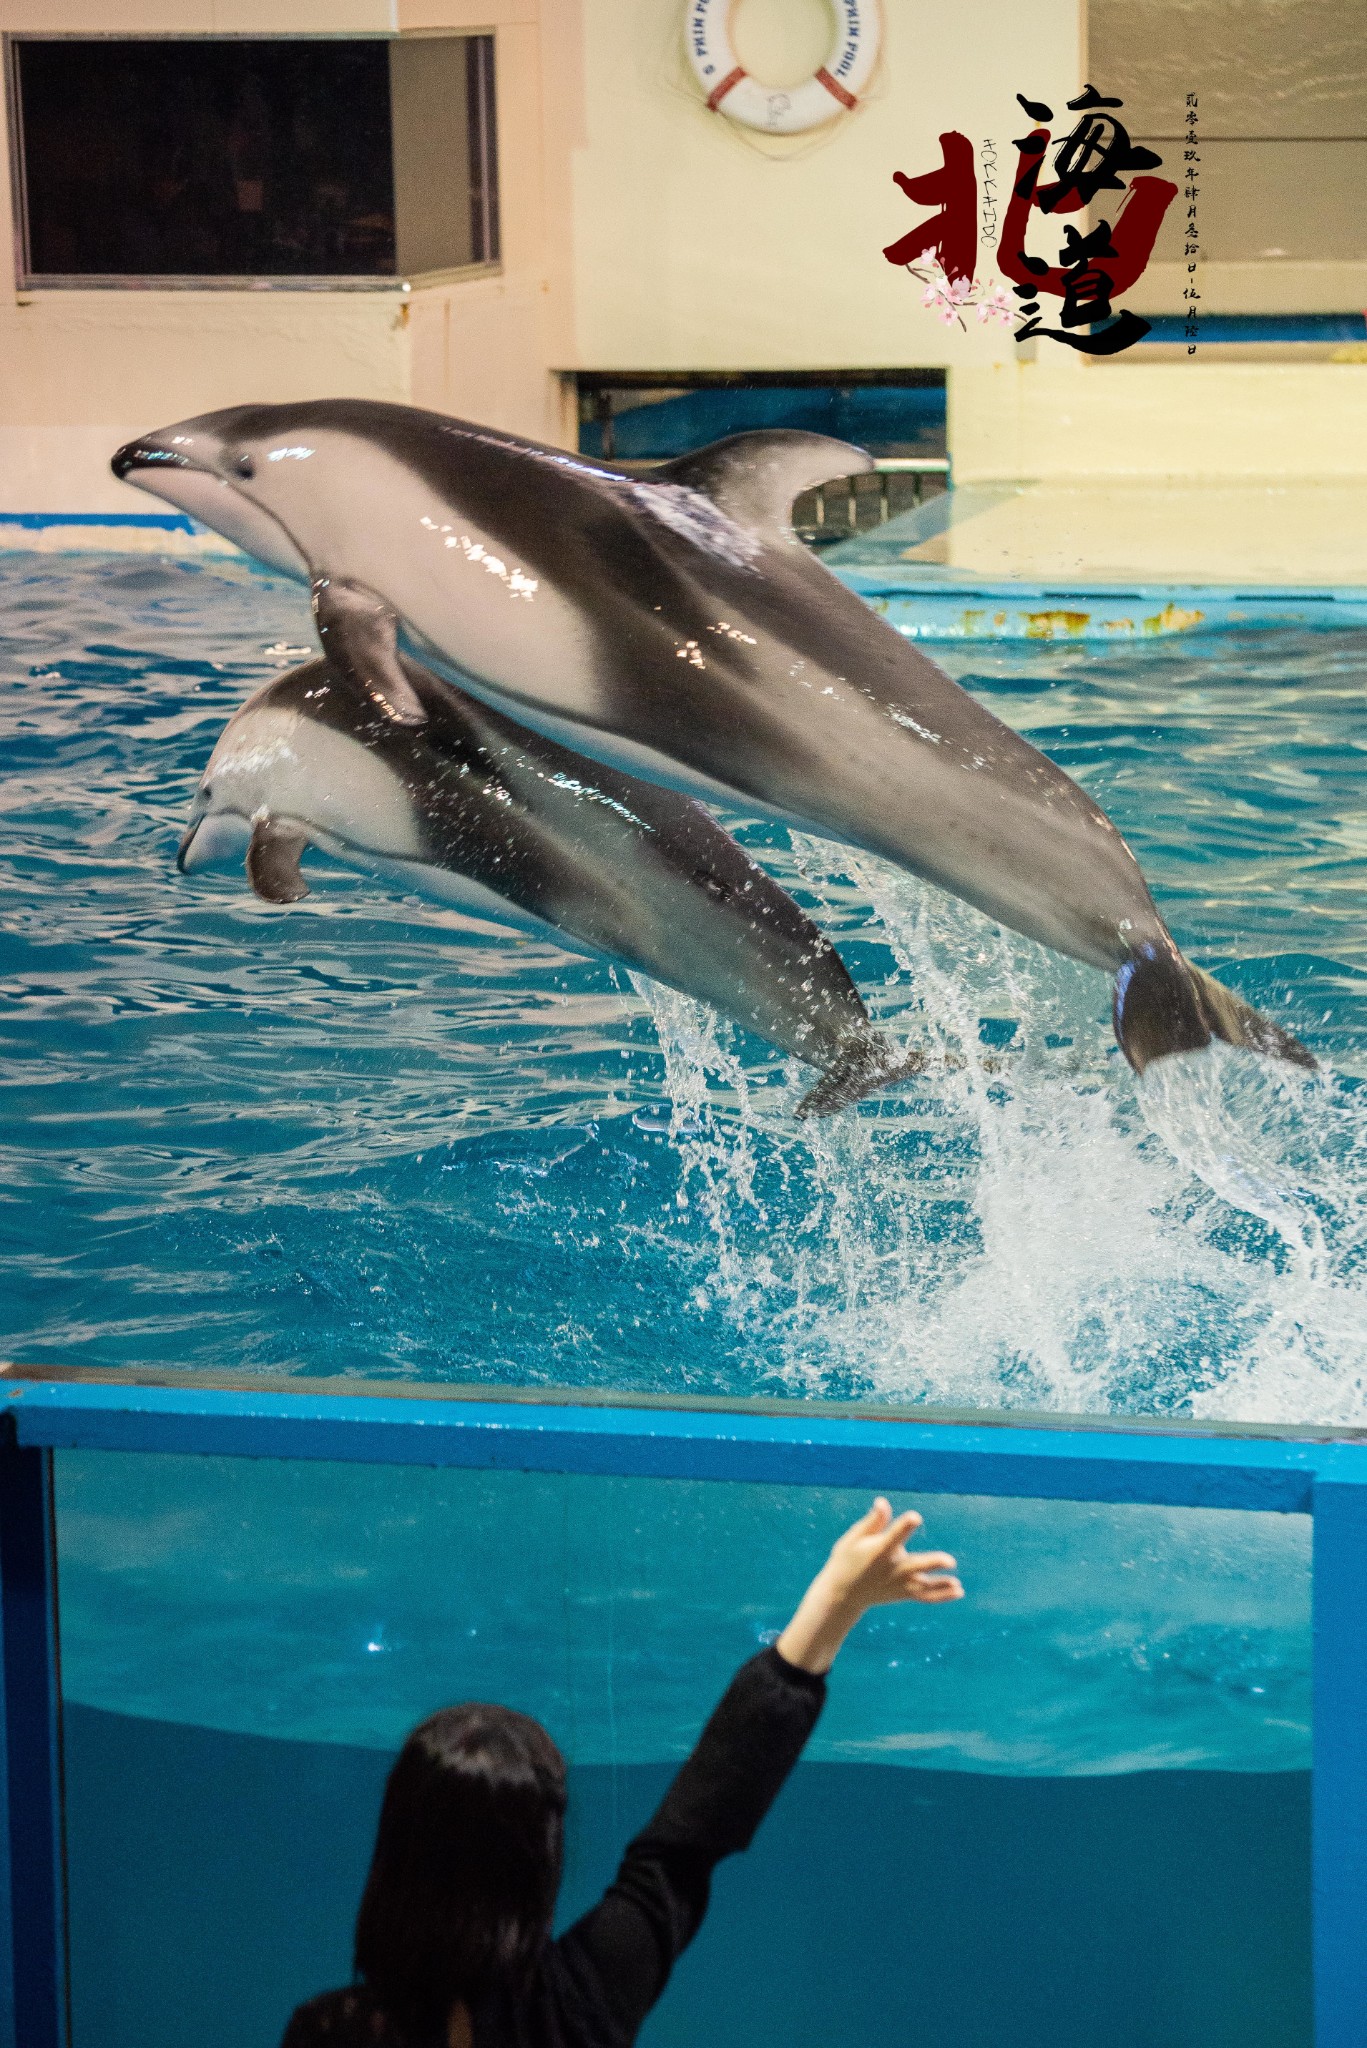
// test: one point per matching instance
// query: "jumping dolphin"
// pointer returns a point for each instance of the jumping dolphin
(672, 625)
(473, 810)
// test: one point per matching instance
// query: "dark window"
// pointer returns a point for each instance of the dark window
(648, 416)
(237, 158)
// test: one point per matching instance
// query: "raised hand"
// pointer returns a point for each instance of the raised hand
(869, 1566)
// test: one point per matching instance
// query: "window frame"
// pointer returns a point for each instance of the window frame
(27, 281)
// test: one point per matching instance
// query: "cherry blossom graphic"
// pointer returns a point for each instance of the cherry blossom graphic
(951, 297)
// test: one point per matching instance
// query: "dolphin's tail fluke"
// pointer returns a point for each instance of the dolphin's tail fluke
(1164, 1005)
(869, 1064)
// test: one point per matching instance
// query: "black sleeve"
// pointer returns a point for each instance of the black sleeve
(614, 1963)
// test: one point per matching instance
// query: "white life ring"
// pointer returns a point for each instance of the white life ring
(832, 89)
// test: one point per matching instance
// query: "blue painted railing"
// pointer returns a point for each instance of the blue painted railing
(1312, 1473)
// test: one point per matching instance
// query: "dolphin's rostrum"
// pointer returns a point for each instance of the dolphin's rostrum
(672, 626)
(470, 809)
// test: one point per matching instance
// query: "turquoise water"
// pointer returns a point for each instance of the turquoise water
(340, 1603)
(1072, 1808)
(367, 1135)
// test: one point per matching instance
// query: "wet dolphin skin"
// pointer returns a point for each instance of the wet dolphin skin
(672, 626)
(474, 811)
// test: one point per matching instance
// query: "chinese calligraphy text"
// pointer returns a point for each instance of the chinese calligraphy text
(1191, 164)
(1094, 264)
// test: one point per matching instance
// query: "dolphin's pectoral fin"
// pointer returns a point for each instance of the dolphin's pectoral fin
(360, 633)
(755, 478)
(273, 862)
(1164, 1005)
(871, 1063)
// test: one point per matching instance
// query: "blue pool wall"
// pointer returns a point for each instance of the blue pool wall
(215, 1880)
(1310, 1474)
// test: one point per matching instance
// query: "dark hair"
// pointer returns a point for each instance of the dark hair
(466, 1867)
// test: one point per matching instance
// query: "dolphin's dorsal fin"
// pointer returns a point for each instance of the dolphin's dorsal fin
(755, 478)
(273, 861)
(360, 636)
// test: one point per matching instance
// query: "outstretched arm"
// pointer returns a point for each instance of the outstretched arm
(610, 1968)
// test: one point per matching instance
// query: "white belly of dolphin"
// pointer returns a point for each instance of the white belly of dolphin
(438, 566)
(273, 761)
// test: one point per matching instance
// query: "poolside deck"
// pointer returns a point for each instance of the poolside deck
(1086, 560)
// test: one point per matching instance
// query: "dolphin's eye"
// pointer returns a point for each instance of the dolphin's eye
(207, 791)
(244, 466)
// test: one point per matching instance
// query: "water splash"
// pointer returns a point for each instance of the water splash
(716, 1153)
(1028, 1226)
(1289, 1151)
(367, 1136)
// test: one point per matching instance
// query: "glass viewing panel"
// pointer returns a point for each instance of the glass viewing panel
(1072, 1809)
(238, 157)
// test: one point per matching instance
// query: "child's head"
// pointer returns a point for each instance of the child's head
(463, 1881)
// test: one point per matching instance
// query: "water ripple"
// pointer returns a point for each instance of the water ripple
(366, 1134)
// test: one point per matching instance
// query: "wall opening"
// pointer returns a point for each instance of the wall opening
(246, 159)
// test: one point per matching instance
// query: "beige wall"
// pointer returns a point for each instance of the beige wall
(82, 371)
(642, 232)
(638, 229)
(1054, 421)
(485, 347)
(696, 248)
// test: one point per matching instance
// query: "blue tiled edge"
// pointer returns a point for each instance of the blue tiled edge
(925, 606)
(1260, 327)
(161, 522)
(657, 1442)
(1339, 1777)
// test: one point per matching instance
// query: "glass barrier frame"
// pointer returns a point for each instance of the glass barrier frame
(1321, 1473)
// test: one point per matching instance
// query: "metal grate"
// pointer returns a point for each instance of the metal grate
(851, 504)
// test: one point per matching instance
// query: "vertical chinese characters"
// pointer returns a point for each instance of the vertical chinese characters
(1095, 264)
(1191, 164)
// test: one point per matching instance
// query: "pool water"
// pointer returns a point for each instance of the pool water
(367, 1135)
(877, 1904)
(1071, 1808)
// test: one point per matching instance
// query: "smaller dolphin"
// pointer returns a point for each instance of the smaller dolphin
(469, 808)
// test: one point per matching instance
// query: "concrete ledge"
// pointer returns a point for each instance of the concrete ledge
(1211, 422)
